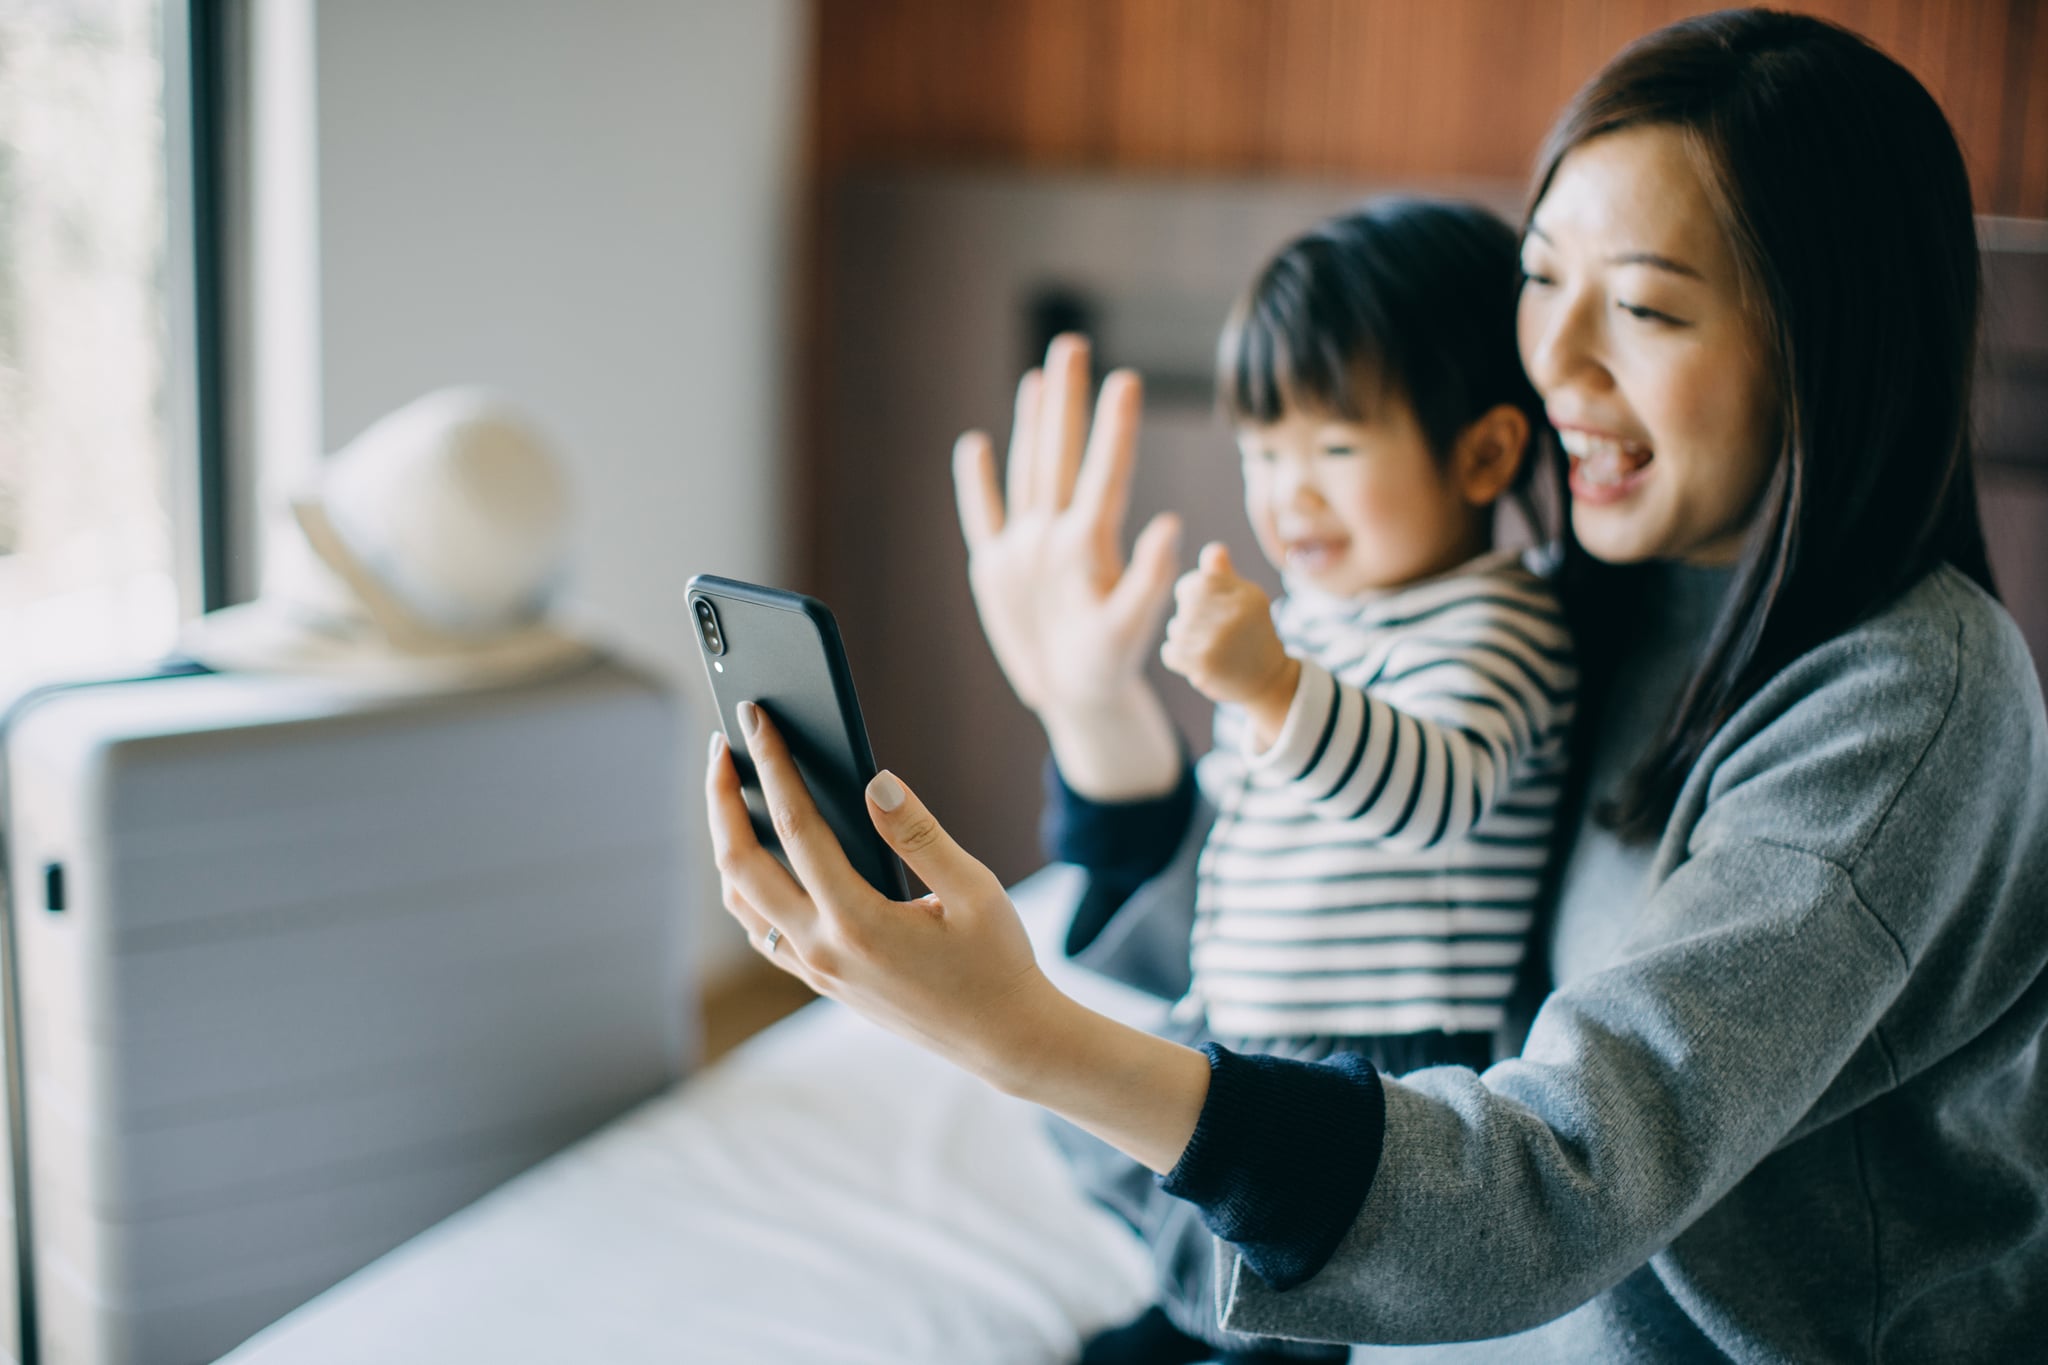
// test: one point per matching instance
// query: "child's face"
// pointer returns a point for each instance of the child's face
(1353, 506)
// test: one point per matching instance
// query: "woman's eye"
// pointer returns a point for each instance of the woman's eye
(1636, 310)
(1340, 450)
(1536, 277)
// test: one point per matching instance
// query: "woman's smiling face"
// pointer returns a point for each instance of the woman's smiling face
(1633, 328)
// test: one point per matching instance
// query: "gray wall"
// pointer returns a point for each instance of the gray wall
(589, 206)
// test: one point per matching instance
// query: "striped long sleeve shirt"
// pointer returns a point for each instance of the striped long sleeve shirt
(1376, 870)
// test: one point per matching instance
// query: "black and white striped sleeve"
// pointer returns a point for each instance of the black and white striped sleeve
(1423, 751)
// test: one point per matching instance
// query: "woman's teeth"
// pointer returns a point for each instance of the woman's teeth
(1602, 460)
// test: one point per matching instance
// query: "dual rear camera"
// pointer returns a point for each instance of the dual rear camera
(707, 626)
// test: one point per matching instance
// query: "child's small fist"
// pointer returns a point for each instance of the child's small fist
(1221, 638)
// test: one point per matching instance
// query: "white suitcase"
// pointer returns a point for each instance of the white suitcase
(322, 966)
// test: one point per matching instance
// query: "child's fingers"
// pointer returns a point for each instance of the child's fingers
(1192, 589)
(1212, 580)
(1215, 560)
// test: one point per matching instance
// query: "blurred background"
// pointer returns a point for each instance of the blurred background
(753, 266)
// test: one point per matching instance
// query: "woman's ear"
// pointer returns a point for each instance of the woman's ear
(1489, 454)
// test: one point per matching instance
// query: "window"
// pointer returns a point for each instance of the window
(101, 494)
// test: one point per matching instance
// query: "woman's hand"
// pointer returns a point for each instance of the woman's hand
(952, 971)
(1070, 622)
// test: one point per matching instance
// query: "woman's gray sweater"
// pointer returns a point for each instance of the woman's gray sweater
(1787, 1100)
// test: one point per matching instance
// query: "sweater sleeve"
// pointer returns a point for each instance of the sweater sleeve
(1505, 1200)
(1845, 825)
(1423, 754)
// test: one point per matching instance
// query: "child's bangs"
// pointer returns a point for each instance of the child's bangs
(1290, 348)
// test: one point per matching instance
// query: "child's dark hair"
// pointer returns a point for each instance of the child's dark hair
(1414, 297)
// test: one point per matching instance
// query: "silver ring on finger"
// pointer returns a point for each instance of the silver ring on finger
(773, 940)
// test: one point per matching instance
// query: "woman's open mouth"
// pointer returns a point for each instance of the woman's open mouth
(1603, 468)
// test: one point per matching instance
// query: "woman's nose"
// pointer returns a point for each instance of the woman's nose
(1561, 341)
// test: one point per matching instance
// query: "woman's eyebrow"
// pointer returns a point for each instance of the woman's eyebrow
(1651, 258)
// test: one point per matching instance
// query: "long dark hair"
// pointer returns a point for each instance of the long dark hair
(1841, 189)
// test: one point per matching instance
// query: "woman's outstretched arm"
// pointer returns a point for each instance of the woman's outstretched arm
(952, 971)
(1279, 1154)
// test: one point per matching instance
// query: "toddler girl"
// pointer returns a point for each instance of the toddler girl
(1390, 735)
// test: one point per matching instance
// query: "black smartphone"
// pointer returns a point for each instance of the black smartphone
(781, 651)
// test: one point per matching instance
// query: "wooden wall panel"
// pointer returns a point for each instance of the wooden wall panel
(1348, 88)
(913, 330)
(2023, 177)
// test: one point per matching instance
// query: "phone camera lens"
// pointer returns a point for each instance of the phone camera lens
(707, 626)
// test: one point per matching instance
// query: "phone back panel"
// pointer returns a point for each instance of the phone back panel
(782, 652)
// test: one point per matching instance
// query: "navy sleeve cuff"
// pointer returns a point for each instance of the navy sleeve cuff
(1282, 1158)
(1133, 839)
(1121, 844)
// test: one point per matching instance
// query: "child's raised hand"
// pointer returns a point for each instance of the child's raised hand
(1221, 638)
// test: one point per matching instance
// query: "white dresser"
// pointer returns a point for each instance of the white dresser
(301, 969)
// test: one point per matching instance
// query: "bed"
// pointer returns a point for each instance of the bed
(826, 1194)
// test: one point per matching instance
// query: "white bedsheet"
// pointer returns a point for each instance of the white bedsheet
(827, 1194)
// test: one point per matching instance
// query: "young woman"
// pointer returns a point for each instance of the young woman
(1784, 1099)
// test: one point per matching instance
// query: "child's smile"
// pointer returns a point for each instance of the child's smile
(1351, 507)
(1307, 554)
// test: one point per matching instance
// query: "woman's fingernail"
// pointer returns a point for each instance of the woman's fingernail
(885, 791)
(750, 718)
(717, 745)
